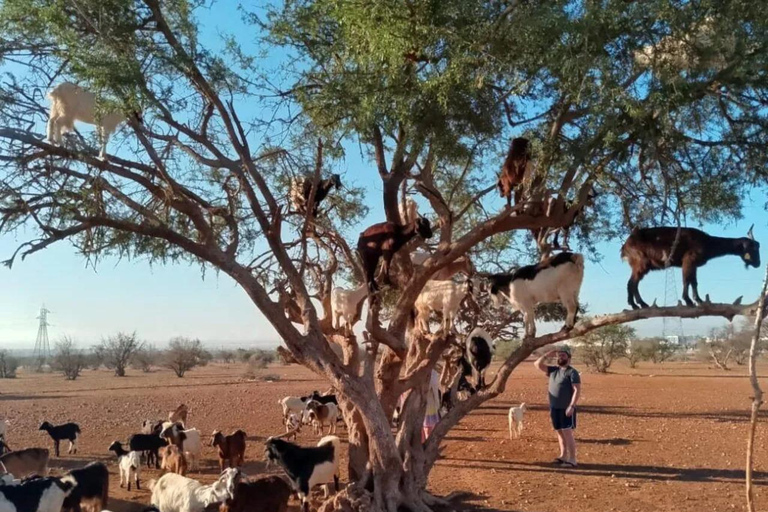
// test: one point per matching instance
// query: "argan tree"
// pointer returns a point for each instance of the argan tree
(116, 352)
(68, 359)
(601, 347)
(430, 94)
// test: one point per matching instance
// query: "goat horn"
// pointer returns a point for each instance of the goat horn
(750, 234)
(737, 302)
(679, 303)
(654, 305)
(706, 299)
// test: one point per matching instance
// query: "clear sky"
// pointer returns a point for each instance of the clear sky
(161, 302)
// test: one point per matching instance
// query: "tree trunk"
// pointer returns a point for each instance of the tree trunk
(757, 398)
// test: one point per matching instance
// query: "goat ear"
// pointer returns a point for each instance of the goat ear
(750, 234)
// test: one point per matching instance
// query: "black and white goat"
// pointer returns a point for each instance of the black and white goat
(659, 248)
(556, 279)
(36, 494)
(301, 188)
(92, 488)
(129, 464)
(67, 431)
(382, 241)
(306, 467)
(480, 348)
(148, 443)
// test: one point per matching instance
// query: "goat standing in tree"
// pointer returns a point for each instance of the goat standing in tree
(517, 166)
(301, 189)
(656, 249)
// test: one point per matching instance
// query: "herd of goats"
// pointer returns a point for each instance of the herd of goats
(172, 446)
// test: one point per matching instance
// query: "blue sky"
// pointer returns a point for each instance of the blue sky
(165, 301)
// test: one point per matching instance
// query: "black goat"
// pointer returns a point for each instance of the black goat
(148, 443)
(382, 241)
(658, 248)
(323, 399)
(480, 348)
(92, 486)
(38, 494)
(267, 494)
(301, 188)
(68, 431)
(306, 466)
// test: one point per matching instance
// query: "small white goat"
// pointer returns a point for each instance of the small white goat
(442, 296)
(176, 493)
(516, 414)
(292, 425)
(557, 279)
(70, 103)
(293, 404)
(345, 304)
(188, 441)
(128, 463)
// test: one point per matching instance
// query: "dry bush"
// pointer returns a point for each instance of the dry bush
(8, 365)
(68, 360)
(184, 354)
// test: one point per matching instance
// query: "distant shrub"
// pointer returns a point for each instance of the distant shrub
(270, 377)
(68, 360)
(243, 355)
(183, 354)
(504, 349)
(601, 347)
(225, 356)
(145, 358)
(261, 359)
(117, 351)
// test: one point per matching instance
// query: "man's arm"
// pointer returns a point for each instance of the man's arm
(540, 364)
(574, 399)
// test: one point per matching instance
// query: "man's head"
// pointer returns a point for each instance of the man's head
(563, 355)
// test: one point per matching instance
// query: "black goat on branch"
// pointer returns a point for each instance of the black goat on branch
(301, 188)
(659, 248)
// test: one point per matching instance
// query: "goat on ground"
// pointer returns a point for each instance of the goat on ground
(293, 404)
(306, 467)
(148, 443)
(188, 441)
(556, 279)
(152, 427)
(92, 488)
(292, 425)
(68, 431)
(267, 494)
(480, 348)
(301, 189)
(382, 241)
(442, 296)
(516, 169)
(29, 461)
(173, 460)
(320, 415)
(347, 304)
(128, 463)
(516, 414)
(659, 248)
(179, 415)
(327, 398)
(231, 448)
(37, 494)
(70, 103)
(176, 493)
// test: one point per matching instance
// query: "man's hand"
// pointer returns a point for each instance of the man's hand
(569, 411)
(551, 353)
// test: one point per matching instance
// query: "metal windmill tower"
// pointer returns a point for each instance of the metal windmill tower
(42, 345)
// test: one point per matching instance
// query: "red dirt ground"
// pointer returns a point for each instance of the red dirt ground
(659, 438)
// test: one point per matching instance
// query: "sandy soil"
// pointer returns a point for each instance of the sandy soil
(659, 438)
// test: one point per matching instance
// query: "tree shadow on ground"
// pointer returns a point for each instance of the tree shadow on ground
(639, 472)
(462, 501)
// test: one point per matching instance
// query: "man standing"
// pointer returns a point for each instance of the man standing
(564, 391)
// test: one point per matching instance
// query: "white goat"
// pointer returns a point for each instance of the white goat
(188, 441)
(345, 304)
(442, 296)
(409, 211)
(293, 404)
(70, 103)
(176, 493)
(128, 463)
(557, 279)
(516, 419)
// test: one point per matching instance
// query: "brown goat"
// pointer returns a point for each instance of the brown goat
(382, 241)
(655, 249)
(173, 460)
(517, 166)
(25, 462)
(268, 494)
(231, 448)
(179, 415)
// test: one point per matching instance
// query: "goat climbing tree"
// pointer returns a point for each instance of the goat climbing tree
(432, 93)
